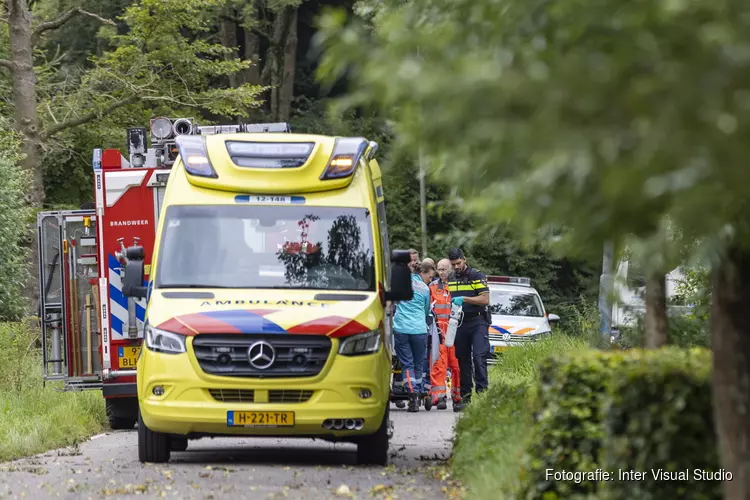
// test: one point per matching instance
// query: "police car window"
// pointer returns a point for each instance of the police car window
(510, 303)
(267, 247)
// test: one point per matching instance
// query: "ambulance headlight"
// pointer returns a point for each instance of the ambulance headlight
(194, 155)
(158, 340)
(362, 343)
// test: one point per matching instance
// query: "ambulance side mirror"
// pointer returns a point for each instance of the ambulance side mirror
(132, 280)
(400, 277)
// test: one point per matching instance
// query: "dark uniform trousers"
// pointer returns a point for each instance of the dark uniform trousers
(472, 347)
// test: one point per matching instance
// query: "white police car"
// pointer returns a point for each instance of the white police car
(518, 314)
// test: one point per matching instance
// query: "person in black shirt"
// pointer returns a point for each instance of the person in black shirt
(468, 288)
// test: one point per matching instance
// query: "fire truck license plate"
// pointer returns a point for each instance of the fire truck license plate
(128, 356)
(260, 418)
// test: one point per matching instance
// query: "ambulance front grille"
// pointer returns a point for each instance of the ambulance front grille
(233, 395)
(248, 395)
(293, 355)
(289, 396)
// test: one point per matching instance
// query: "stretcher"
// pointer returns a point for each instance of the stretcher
(398, 391)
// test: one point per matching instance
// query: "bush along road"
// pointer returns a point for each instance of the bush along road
(107, 466)
(559, 408)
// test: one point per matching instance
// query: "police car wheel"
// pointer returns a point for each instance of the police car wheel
(373, 449)
(153, 446)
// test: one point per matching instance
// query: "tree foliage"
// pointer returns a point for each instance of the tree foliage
(14, 215)
(596, 116)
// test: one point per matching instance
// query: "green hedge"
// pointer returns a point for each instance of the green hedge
(658, 415)
(622, 411)
(567, 433)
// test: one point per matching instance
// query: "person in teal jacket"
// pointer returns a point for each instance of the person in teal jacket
(410, 331)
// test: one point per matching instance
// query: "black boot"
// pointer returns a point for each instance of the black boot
(460, 405)
(413, 404)
(442, 404)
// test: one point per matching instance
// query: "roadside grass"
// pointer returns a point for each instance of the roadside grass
(492, 433)
(34, 418)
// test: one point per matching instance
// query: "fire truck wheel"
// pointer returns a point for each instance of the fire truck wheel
(153, 446)
(119, 414)
(373, 449)
(178, 443)
(121, 423)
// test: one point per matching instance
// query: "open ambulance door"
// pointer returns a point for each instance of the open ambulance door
(68, 298)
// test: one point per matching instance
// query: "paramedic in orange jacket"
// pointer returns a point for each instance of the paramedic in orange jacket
(440, 297)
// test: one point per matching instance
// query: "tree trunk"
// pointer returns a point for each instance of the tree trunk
(273, 70)
(252, 52)
(26, 120)
(730, 327)
(286, 92)
(656, 324)
(228, 37)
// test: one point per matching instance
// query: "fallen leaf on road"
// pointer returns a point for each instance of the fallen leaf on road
(343, 491)
(382, 489)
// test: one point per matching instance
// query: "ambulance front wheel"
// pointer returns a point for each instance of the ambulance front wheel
(373, 449)
(154, 447)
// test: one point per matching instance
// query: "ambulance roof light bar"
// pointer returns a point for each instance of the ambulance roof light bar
(513, 280)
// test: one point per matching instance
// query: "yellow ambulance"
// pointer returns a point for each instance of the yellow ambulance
(268, 294)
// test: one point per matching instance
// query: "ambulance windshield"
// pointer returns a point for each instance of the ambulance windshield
(511, 303)
(254, 246)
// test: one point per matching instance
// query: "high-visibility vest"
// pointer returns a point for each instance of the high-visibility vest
(440, 297)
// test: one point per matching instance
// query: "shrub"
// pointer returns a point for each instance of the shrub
(14, 215)
(36, 417)
(684, 331)
(567, 431)
(493, 431)
(658, 415)
(17, 356)
(621, 411)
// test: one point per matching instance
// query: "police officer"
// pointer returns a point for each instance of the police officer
(468, 288)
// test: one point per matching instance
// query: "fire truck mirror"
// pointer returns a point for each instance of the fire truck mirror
(132, 281)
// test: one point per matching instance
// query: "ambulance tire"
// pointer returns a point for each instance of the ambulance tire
(373, 449)
(153, 447)
(178, 443)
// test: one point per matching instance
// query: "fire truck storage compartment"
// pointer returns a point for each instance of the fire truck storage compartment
(69, 297)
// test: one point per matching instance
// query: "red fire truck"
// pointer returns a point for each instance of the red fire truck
(92, 333)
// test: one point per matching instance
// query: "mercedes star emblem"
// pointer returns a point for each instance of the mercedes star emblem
(261, 355)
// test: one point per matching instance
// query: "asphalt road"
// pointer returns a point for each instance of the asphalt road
(107, 467)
